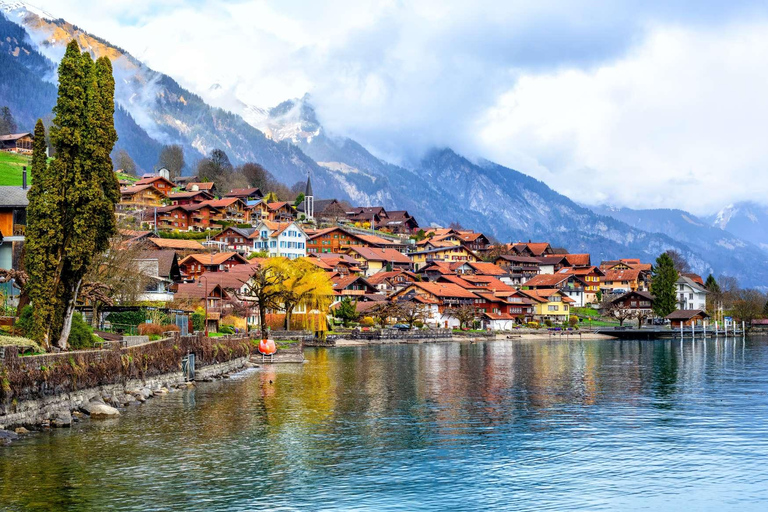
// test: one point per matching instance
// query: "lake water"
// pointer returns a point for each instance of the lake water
(516, 425)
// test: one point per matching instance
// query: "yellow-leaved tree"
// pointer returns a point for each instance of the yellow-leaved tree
(306, 285)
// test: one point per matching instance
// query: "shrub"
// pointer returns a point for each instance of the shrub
(171, 328)
(226, 329)
(419, 324)
(533, 325)
(367, 321)
(548, 322)
(148, 329)
(81, 336)
(573, 320)
(128, 317)
(198, 320)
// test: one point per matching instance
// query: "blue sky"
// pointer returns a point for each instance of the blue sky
(592, 97)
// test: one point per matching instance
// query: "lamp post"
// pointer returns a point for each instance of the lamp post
(205, 300)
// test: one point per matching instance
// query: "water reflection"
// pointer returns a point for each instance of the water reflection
(513, 424)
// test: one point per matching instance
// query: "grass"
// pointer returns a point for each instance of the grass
(18, 341)
(10, 168)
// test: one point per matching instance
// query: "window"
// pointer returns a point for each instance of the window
(554, 308)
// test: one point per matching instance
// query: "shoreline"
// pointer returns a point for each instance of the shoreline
(342, 342)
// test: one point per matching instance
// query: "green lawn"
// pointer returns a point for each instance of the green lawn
(10, 168)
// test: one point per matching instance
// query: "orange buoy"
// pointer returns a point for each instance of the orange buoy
(267, 347)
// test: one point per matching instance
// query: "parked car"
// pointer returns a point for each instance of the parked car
(402, 327)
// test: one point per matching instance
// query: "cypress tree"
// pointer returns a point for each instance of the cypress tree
(711, 284)
(80, 192)
(663, 283)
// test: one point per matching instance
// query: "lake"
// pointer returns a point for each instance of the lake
(515, 425)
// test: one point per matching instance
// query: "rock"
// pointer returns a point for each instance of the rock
(6, 436)
(61, 419)
(87, 407)
(77, 414)
(225, 376)
(146, 392)
(161, 391)
(190, 384)
(139, 398)
(45, 424)
(135, 402)
(22, 431)
(100, 411)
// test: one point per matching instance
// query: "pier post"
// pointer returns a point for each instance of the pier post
(682, 324)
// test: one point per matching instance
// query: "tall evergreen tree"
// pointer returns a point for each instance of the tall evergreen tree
(663, 282)
(81, 187)
(7, 122)
(711, 284)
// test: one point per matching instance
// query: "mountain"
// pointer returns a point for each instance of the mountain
(290, 141)
(746, 220)
(728, 253)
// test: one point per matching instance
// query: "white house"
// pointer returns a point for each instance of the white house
(284, 239)
(690, 294)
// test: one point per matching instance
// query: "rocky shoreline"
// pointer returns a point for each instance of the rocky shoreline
(104, 402)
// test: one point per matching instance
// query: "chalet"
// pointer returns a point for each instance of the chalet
(502, 312)
(518, 268)
(183, 198)
(197, 264)
(687, 317)
(373, 215)
(551, 263)
(622, 281)
(433, 270)
(449, 254)
(17, 142)
(578, 260)
(637, 302)
(181, 181)
(590, 276)
(13, 222)
(139, 197)
(481, 268)
(280, 239)
(400, 222)
(443, 295)
(373, 260)
(571, 285)
(132, 236)
(281, 211)
(690, 294)
(191, 217)
(162, 184)
(549, 304)
(236, 239)
(352, 285)
(257, 210)
(246, 194)
(337, 240)
(389, 282)
(162, 269)
(532, 249)
(327, 210)
(232, 209)
(341, 264)
(209, 187)
(475, 242)
(210, 297)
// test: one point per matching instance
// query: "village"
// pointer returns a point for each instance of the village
(197, 249)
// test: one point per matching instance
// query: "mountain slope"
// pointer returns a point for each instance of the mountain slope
(727, 253)
(746, 220)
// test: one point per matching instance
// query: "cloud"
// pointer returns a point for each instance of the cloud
(589, 96)
(679, 122)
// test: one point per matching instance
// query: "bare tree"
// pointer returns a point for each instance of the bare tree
(383, 311)
(411, 312)
(125, 163)
(748, 305)
(172, 158)
(464, 314)
(681, 264)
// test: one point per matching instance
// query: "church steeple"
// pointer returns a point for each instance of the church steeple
(309, 200)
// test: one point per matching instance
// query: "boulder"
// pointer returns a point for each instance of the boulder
(139, 397)
(100, 411)
(22, 431)
(6, 436)
(61, 419)
(146, 392)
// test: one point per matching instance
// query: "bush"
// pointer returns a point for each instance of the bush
(533, 325)
(418, 324)
(548, 322)
(81, 336)
(24, 323)
(226, 329)
(198, 320)
(148, 329)
(128, 317)
(573, 320)
(367, 321)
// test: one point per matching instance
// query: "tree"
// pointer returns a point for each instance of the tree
(7, 122)
(172, 158)
(125, 163)
(71, 208)
(663, 282)
(299, 199)
(306, 284)
(679, 262)
(464, 314)
(265, 288)
(256, 175)
(711, 284)
(347, 311)
(748, 305)
(382, 312)
(411, 312)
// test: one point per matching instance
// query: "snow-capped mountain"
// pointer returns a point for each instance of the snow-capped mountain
(289, 140)
(746, 220)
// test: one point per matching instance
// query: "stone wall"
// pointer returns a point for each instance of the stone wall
(51, 381)
(394, 335)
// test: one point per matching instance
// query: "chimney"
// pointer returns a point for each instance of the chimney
(24, 178)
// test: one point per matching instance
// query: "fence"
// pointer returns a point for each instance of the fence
(33, 377)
